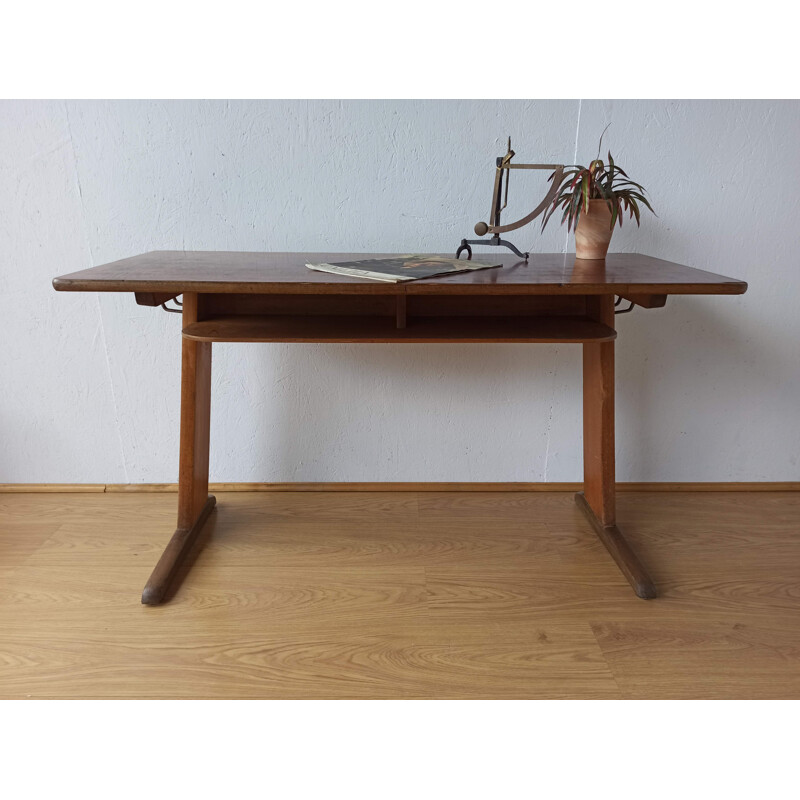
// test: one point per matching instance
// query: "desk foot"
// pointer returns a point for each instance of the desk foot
(614, 541)
(173, 556)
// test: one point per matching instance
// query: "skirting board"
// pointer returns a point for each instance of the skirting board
(765, 486)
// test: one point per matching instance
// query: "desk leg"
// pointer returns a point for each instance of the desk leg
(194, 502)
(597, 501)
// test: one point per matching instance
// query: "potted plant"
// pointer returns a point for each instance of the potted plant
(592, 199)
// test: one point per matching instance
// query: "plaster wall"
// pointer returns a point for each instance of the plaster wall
(708, 387)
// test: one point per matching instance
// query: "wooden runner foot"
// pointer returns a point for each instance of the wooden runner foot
(173, 556)
(615, 543)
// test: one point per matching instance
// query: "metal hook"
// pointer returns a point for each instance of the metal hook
(173, 310)
(624, 310)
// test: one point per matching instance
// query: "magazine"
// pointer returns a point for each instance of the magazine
(402, 268)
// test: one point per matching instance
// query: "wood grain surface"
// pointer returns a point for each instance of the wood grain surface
(173, 272)
(410, 486)
(598, 417)
(401, 595)
(342, 328)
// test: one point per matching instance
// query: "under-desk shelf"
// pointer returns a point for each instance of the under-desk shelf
(363, 328)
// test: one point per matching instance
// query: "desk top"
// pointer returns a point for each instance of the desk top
(174, 271)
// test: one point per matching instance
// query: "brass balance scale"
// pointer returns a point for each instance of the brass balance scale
(502, 174)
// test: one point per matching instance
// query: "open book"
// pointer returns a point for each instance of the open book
(401, 268)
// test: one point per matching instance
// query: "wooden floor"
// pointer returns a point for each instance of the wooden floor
(401, 595)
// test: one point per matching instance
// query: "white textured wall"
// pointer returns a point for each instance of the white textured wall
(708, 388)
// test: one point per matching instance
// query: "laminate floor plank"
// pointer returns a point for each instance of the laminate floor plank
(703, 660)
(19, 540)
(493, 507)
(230, 542)
(567, 665)
(401, 595)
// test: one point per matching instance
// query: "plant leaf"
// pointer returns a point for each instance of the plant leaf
(642, 198)
(635, 208)
(620, 170)
(600, 143)
(626, 183)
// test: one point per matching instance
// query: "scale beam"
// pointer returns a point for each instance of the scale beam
(500, 195)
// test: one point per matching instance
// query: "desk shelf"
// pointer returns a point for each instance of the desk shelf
(354, 328)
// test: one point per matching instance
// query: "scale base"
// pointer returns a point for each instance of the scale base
(495, 241)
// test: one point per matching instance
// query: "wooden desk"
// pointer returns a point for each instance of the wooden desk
(273, 297)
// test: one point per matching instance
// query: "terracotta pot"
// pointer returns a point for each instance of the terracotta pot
(593, 233)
